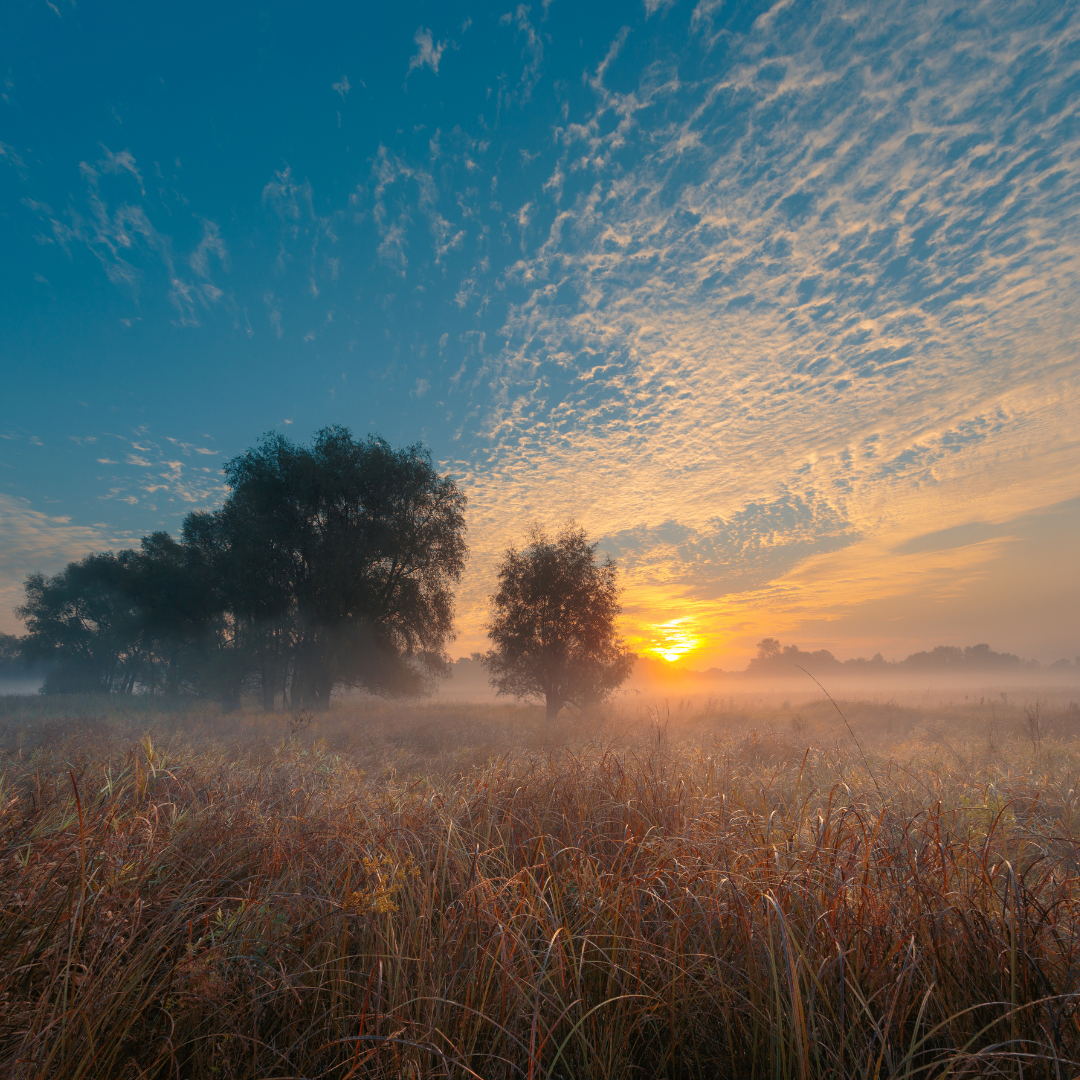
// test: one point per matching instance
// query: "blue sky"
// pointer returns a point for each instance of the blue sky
(764, 294)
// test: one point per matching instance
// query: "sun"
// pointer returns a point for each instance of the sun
(674, 639)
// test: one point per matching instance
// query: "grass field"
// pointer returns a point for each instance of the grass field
(704, 888)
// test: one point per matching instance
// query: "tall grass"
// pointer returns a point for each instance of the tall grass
(457, 892)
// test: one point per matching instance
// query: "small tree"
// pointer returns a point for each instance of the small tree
(553, 623)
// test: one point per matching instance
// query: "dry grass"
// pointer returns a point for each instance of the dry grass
(453, 891)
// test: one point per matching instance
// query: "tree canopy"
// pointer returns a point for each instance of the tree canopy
(328, 565)
(553, 623)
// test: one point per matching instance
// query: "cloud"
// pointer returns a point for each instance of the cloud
(428, 53)
(287, 197)
(123, 238)
(292, 202)
(186, 484)
(34, 541)
(754, 545)
(10, 157)
(210, 244)
(400, 193)
(190, 448)
(122, 162)
(842, 259)
(971, 532)
(342, 87)
(273, 310)
(532, 53)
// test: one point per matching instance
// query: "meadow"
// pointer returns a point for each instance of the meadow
(705, 887)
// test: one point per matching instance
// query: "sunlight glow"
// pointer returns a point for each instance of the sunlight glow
(676, 638)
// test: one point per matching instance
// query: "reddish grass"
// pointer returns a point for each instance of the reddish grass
(456, 892)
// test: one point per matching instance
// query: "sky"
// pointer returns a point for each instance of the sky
(778, 300)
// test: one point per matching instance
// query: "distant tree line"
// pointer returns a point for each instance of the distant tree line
(774, 659)
(328, 565)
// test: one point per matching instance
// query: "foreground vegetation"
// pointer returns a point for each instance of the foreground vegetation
(460, 891)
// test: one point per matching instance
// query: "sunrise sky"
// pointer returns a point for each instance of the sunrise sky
(780, 301)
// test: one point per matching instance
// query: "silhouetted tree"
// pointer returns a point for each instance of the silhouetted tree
(338, 560)
(972, 658)
(12, 661)
(167, 586)
(251, 605)
(82, 621)
(553, 623)
(768, 649)
(773, 660)
(330, 564)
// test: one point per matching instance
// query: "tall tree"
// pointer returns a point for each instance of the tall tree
(330, 564)
(349, 549)
(553, 623)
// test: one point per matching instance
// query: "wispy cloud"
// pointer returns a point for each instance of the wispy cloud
(31, 540)
(532, 53)
(210, 244)
(428, 52)
(9, 157)
(273, 310)
(163, 482)
(755, 545)
(304, 233)
(127, 244)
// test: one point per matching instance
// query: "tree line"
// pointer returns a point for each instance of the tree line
(774, 659)
(329, 565)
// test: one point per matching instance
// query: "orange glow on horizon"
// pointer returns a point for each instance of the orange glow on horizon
(676, 639)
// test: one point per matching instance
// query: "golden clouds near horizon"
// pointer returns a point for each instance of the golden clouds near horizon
(673, 639)
(1013, 583)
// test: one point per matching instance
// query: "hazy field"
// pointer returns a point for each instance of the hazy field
(739, 885)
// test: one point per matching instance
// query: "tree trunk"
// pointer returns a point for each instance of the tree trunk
(268, 685)
(553, 705)
(324, 685)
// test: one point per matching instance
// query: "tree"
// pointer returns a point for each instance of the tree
(82, 620)
(165, 581)
(11, 656)
(337, 562)
(115, 621)
(553, 623)
(768, 650)
(330, 564)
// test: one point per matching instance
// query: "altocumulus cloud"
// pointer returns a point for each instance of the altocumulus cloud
(753, 546)
(836, 250)
(758, 289)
